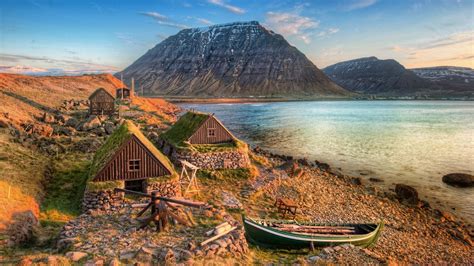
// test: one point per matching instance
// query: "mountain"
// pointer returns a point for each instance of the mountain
(456, 80)
(370, 75)
(241, 59)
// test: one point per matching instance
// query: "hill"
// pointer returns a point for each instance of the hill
(370, 75)
(241, 59)
(24, 97)
(455, 81)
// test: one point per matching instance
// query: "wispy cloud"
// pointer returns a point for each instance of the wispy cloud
(163, 20)
(51, 66)
(328, 32)
(359, 4)
(231, 8)
(454, 49)
(291, 24)
(128, 39)
(204, 21)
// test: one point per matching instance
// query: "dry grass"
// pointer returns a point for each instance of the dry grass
(21, 177)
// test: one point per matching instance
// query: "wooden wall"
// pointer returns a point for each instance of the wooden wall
(201, 135)
(101, 103)
(117, 168)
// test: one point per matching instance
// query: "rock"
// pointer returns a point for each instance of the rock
(459, 179)
(94, 263)
(375, 180)
(114, 262)
(406, 193)
(109, 127)
(72, 122)
(356, 181)
(127, 255)
(169, 257)
(65, 243)
(76, 255)
(314, 259)
(92, 123)
(47, 118)
(448, 216)
(25, 262)
(322, 166)
(3, 123)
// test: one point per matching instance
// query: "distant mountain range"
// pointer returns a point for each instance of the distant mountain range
(242, 59)
(372, 76)
(454, 81)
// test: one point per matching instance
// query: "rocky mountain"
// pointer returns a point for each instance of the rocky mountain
(371, 75)
(241, 59)
(456, 80)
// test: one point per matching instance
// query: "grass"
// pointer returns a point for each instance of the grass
(183, 129)
(65, 188)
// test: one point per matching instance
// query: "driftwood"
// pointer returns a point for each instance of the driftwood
(218, 236)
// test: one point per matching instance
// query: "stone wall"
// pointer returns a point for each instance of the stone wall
(167, 188)
(101, 200)
(214, 160)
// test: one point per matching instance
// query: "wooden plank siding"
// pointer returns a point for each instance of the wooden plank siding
(221, 134)
(101, 102)
(118, 167)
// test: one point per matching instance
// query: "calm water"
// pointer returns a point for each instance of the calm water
(411, 142)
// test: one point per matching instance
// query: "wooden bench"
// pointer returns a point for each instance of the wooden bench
(286, 206)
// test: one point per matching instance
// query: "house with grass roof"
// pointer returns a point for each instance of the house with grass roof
(129, 160)
(201, 139)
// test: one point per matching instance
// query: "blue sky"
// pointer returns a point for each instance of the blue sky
(106, 36)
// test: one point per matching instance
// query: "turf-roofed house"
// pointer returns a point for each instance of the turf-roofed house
(128, 160)
(202, 140)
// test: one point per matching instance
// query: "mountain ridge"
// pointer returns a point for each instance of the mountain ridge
(240, 59)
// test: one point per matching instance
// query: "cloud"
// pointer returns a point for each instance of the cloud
(291, 24)
(359, 4)
(328, 32)
(163, 20)
(52, 66)
(231, 8)
(128, 39)
(204, 21)
(454, 49)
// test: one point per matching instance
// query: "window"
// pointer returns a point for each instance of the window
(211, 132)
(133, 165)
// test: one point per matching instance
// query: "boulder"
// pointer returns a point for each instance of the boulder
(375, 180)
(76, 255)
(3, 123)
(92, 123)
(356, 181)
(109, 127)
(72, 122)
(47, 118)
(459, 180)
(406, 193)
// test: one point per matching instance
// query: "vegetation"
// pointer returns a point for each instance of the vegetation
(183, 129)
(114, 143)
(65, 188)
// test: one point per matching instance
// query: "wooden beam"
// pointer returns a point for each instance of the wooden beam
(218, 236)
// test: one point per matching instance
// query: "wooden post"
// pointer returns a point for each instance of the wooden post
(154, 201)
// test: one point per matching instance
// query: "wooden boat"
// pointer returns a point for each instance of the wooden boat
(291, 234)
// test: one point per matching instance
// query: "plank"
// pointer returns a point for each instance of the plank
(218, 236)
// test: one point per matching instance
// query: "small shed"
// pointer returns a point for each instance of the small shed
(101, 102)
(198, 128)
(129, 156)
(123, 93)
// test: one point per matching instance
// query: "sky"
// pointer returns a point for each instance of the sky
(91, 36)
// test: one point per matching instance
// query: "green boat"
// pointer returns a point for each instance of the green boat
(293, 235)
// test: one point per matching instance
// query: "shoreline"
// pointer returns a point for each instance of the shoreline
(185, 100)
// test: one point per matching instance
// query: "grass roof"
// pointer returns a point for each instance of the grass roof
(184, 128)
(116, 140)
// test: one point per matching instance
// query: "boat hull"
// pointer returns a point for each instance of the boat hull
(271, 237)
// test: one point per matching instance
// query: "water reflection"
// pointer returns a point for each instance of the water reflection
(413, 142)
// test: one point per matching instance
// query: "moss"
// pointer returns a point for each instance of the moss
(223, 174)
(161, 179)
(183, 129)
(106, 185)
(116, 140)
(65, 188)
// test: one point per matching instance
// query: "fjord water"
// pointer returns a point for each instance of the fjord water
(410, 142)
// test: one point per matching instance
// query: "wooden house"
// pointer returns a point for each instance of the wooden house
(123, 93)
(129, 156)
(101, 102)
(198, 128)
